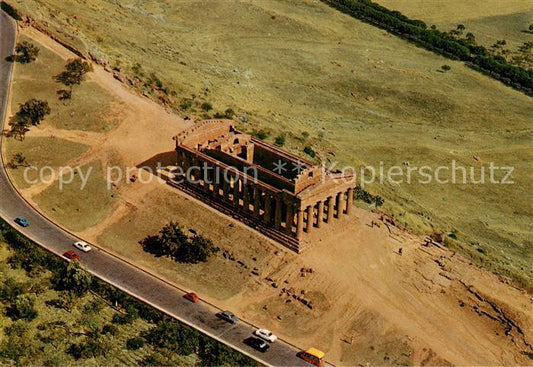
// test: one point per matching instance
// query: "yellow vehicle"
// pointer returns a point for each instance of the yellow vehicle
(313, 356)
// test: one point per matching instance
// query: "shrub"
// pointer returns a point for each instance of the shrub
(174, 336)
(280, 140)
(446, 67)
(135, 343)
(75, 278)
(309, 151)
(110, 329)
(23, 308)
(363, 195)
(206, 106)
(260, 134)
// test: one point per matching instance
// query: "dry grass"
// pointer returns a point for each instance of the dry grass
(219, 277)
(77, 205)
(306, 68)
(86, 110)
(40, 152)
(489, 21)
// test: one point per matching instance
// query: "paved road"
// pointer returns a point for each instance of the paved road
(124, 276)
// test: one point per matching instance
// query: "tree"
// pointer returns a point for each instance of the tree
(75, 278)
(17, 160)
(23, 308)
(198, 249)
(173, 336)
(33, 111)
(17, 346)
(74, 73)
(26, 52)
(174, 243)
(30, 113)
(470, 37)
(460, 28)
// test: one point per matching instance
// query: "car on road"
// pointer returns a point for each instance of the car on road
(313, 356)
(257, 344)
(22, 221)
(83, 246)
(228, 316)
(266, 334)
(191, 296)
(71, 255)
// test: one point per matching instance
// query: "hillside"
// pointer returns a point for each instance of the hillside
(355, 93)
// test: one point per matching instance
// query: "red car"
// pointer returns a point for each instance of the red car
(71, 255)
(193, 297)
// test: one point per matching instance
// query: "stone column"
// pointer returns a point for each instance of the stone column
(340, 204)
(236, 191)
(310, 218)
(349, 201)
(268, 208)
(289, 219)
(300, 223)
(257, 202)
(225, 189)
(246, 197)
(320, 214)
(196, 171)
(277, 213)
(331, 209)
(216, 182)
(205, 177)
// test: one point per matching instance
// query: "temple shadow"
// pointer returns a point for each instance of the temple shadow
(159, 161)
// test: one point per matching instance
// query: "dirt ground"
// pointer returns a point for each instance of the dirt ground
(351, 294)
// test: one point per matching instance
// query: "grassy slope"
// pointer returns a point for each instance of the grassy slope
(491, 21)
(77, 209)
(36, 80)
(41, 152)
(297, 67)
(77, 206)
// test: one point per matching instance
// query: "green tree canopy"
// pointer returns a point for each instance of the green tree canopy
(75, 72)
(26, 52)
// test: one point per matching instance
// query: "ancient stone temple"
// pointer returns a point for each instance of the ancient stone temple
(280, 194)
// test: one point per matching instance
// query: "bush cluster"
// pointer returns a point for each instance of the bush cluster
(363, 195)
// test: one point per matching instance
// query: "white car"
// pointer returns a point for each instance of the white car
(266, 335)
(83, 246)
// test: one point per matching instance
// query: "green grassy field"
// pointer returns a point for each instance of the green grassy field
(355, 93)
